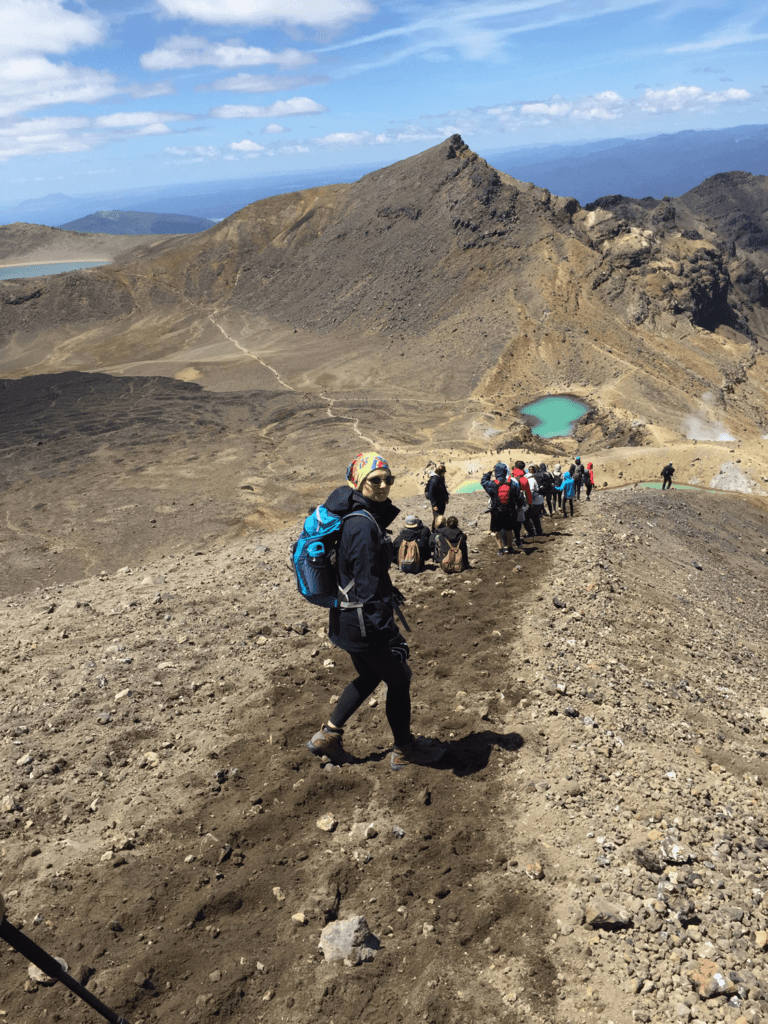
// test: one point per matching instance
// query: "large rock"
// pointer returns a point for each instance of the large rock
(350, 940)
(603, 914)
(709, 980)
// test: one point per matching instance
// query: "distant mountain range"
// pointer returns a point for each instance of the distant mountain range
(208, 199)
(664, 165)
(131, 222)
(658, 166)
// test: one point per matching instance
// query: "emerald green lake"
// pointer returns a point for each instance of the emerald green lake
(42, 269)
(554, 415)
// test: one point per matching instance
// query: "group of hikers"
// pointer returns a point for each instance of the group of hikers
(362, 615)
(520, 498)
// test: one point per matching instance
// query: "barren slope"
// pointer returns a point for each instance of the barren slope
(592, 848)
(437, 271)
(34, 243)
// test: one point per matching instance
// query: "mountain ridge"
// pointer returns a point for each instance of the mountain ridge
(491, 284)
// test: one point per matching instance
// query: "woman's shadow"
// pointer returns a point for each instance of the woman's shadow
(470, 754)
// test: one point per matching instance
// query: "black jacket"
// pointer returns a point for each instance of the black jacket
(365, 555)
(491, 487)
(437, 492)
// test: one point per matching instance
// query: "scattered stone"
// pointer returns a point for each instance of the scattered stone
(674, 852)
(708, 979)
(327, 823)
(534, 870)
(278, 893)
(299, 919)
(349, 940)
(602, 914)
(40, 977)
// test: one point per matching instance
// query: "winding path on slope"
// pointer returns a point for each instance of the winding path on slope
(247, 352)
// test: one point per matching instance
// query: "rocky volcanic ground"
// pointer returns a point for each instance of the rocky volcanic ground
(594, 846)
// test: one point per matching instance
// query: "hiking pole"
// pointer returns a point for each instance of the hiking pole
(36, 955)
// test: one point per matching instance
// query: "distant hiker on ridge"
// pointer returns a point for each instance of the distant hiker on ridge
(437, 492)
(367, 630)
(666, 476)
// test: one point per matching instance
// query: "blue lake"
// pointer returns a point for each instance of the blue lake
(41, 269)
(554, 415)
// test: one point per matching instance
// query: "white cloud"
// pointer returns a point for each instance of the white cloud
(246, 146)
(157, 128)
(737, 32)
(261, 83)
(476, 29)
(545, 109)
(602, 106)
(45, 135)
(326, 13)
(46, 26)
(274, 129)
(136, 119)
(196, 51)
(32, 81)
(281, 108)
(192, 154)
(686, 97)
(144, 92)
(296, 148)
(79, 134)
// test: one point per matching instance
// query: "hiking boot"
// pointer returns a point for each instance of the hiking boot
(501, 551)
(418, 750)
(328, 743)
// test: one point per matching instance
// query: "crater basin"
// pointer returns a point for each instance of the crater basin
(553, 415)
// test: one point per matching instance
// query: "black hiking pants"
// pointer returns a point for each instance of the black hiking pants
(565, 510)
(666, 483)
(373, 667)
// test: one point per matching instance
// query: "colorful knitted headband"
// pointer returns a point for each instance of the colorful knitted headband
(362, 466)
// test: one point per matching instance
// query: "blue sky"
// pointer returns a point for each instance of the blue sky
(107, 94)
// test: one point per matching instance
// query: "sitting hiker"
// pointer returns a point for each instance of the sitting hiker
(451, 547)
(439, 522)
(412, 545)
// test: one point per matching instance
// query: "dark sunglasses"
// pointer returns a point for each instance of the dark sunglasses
(381, 481)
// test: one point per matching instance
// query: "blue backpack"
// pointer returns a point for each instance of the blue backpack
(313, 559)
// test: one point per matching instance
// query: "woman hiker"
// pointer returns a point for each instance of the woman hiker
(369, 634)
